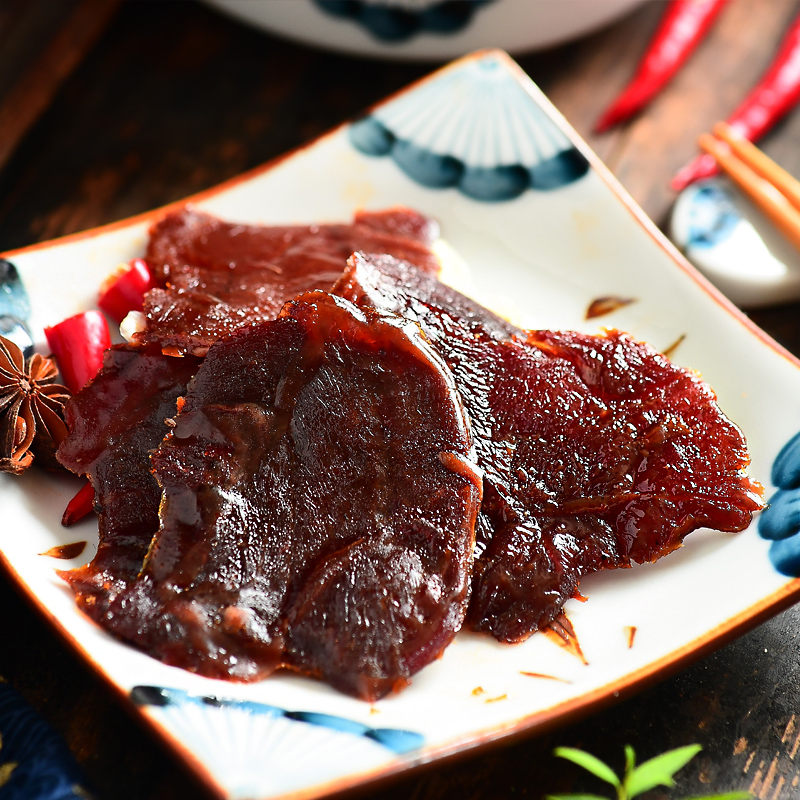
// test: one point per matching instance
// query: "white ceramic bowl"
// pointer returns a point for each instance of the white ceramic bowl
(427, 29)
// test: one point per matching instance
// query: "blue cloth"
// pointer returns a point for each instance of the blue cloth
(35, 763)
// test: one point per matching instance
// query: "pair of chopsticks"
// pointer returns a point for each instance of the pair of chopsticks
(770, 187)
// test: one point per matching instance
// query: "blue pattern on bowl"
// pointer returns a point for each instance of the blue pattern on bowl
(712, 216)
(780, 521)
(390, 23)
(15, 308)
(35, 763)
(398, 741)
(474, 129)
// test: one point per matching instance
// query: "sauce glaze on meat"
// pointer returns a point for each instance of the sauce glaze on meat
(114, 423)
(220, 276)
(596, 450)
(119, 418)
(319, 502)
(318, 507)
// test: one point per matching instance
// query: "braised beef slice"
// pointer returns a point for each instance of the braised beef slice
(220, 276)
(114, 422)
(596, 450)
(404, 223)
(318, 507)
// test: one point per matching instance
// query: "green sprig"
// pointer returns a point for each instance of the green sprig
(657, 771)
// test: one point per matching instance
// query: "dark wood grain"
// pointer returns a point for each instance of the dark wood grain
(727, 64)
(22, 30)
(646, 152)
(174, 98)
(34, 91)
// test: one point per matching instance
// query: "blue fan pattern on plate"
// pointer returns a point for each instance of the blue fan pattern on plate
(15, 308)
(256, 748)
(398, 22)
(780, 521)
(398, 741)
(475, 129)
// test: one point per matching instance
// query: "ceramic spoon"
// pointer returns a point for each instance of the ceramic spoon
(730, 241)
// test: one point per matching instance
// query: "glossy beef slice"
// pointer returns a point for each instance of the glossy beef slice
(220, 276)
(114, 422)
(596, 450)
(318, 507)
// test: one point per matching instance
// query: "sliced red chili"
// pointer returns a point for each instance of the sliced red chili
(682, 28)
(124, 290)
(777, 92)
(78, 344)
(80, 506)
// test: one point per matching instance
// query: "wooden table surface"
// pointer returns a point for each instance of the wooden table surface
(108, 109)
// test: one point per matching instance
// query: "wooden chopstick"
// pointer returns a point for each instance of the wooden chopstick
(761, 163)
(754, 172)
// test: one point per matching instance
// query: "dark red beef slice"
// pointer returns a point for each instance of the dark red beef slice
(404, 223)
(318, 507)
(220, 276)
(114, 422)
(596, 450)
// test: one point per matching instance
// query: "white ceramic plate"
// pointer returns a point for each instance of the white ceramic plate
(545, 231)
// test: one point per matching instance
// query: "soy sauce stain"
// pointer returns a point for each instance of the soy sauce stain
(478, 691)
(496, 699)
(542, 675)
(561, 632)
(605, 305)
(674, 346)
(65, 551)
(631, 632)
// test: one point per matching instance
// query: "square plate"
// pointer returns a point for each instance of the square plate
(545, 230)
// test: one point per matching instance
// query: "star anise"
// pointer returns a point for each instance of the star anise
(31, 408)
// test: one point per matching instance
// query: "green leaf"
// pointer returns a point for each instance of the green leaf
(575, 797)
(727, 796)
(630, 760)
(589, 762)
(658, 771)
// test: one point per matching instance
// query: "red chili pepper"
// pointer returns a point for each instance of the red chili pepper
(681, 29)
(78, 344)
(80, 506)
(124, 290)
(777, 92)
